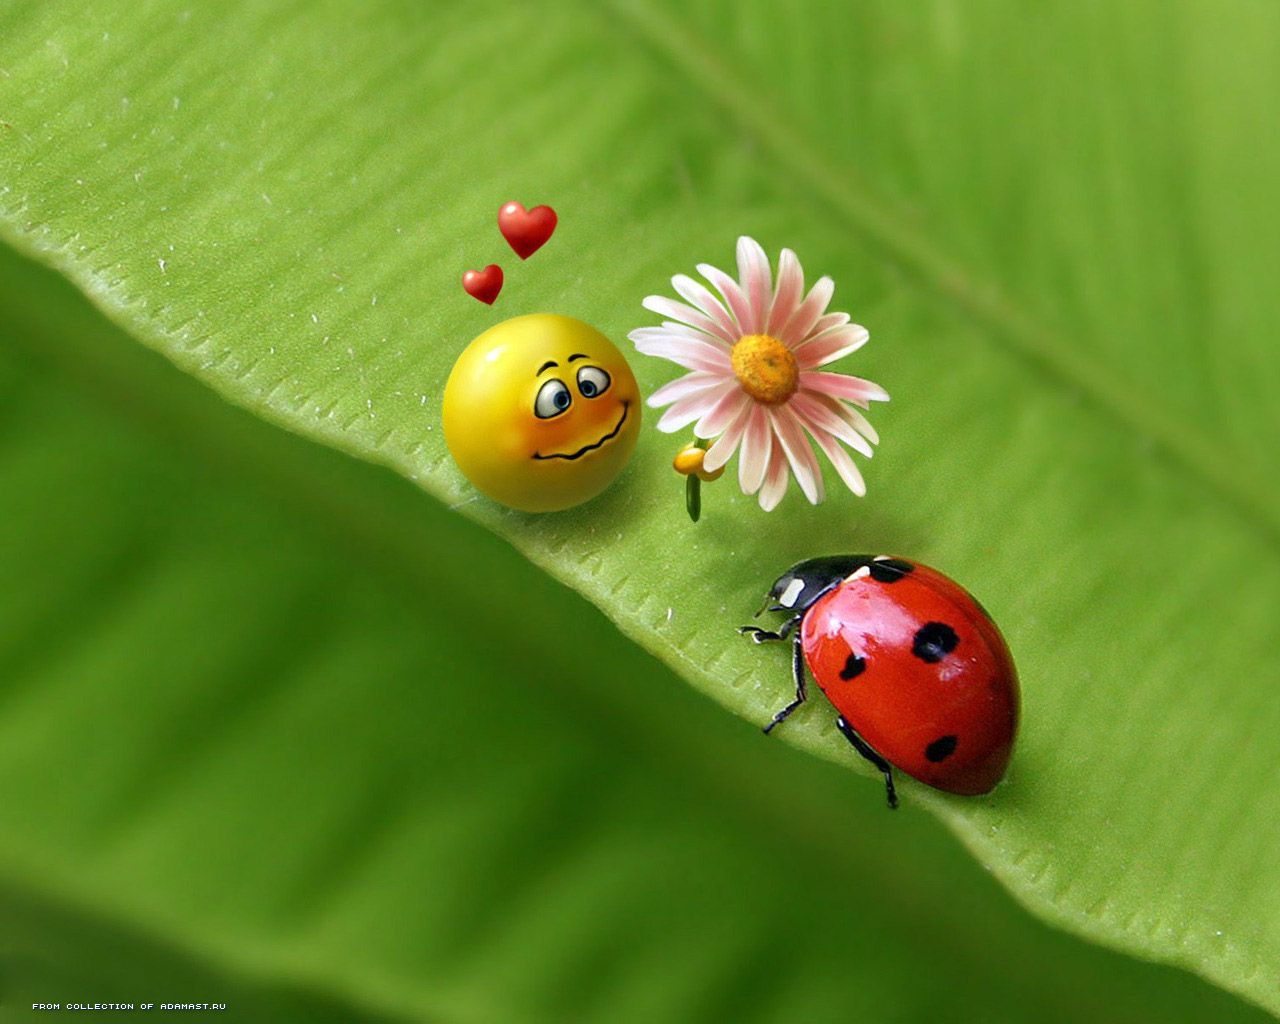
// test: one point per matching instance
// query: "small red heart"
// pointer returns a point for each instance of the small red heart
(526, 231)
(483, 284)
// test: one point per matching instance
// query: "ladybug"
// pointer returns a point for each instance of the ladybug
(920, 675)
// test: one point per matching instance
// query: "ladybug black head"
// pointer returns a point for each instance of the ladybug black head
(801, 585)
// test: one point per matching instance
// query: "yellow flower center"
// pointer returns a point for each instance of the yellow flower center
(765, 368)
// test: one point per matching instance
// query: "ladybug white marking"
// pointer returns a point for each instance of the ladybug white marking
(859, 574)
(788, 596)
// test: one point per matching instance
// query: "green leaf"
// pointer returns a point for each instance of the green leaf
(279, 732)
(1058, 230)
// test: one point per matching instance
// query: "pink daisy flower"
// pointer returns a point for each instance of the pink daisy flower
(755, 382)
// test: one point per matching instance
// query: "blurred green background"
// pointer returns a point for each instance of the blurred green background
(280, 728)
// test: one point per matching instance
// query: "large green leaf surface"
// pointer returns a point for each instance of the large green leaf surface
(1057, 224)
(268, 737)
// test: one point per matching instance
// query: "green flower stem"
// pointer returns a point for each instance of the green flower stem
(693, 488)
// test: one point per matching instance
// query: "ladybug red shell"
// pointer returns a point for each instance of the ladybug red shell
(920, 675)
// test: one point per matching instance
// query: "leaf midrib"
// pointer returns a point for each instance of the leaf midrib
(880, 222)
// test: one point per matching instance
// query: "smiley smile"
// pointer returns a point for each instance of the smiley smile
(591, 447)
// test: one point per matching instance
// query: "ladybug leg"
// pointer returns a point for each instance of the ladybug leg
(764, 636)
(797, 673)
(860, 745)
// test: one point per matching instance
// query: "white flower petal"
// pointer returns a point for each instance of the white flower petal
(667, 330)
(775, 481)
(733, 295)
(808, 474)
(685, 331)
(693, 407)
(700, 298)
(753, 459)
(817, 414)
(727, 409)
(678, 416)
(842, 461)
(724, 447)
(689, 384)
(825, 323)
(840, 385)
(786, 296)
(831, 345)
(851, 416)
(807, 313)
(859, 422)
(756, 279)
(683, 351)
(686, 315)
(678, 330)
(680, 353)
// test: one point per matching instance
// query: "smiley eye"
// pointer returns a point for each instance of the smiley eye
(553, 399)
(592, 381)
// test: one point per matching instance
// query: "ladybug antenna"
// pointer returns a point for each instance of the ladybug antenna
(764, 607)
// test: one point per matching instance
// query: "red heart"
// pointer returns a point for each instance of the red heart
(526, 231)
(483, 284)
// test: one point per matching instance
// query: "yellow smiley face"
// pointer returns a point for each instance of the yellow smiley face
(541, 412)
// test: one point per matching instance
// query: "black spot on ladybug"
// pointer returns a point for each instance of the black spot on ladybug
(890, 570)
(853, 667)
(940, 749)
(934, 641)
